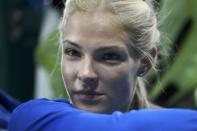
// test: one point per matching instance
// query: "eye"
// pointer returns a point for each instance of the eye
(72, 52)
(111, 58)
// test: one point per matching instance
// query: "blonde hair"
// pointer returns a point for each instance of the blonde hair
(138, 19)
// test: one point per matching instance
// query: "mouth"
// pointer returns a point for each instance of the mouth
(89, 97)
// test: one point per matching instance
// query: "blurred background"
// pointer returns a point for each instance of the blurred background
(29, 51)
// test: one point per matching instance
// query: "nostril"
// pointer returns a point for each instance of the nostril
(88, 80)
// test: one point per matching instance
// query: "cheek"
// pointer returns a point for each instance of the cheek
(69, 73)
(119, 74)
(119, 82)
(115, 76)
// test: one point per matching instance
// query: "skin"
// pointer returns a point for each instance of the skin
(98, 69)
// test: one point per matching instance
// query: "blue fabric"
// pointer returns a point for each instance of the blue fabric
(8, 102)
(7, 105)
(4, 117)
(48, 115)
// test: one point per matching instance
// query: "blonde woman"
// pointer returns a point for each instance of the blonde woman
(107, 48)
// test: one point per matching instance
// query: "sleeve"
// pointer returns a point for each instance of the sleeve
(46, 115)
(7, 105)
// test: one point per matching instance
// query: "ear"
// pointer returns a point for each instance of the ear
(146, 64)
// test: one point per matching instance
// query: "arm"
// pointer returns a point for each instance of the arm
(7, 105)
(45, 115)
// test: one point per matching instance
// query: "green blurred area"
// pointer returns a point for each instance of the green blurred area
(177, 67)
(48, 55)
(180, 25)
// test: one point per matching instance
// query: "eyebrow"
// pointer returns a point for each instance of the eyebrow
(106, 48)
(115, 48)
(71, 43)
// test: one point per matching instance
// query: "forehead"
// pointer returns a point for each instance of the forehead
(97, 27)
(101, 20)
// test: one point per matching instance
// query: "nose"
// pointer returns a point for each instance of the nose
(87, 74)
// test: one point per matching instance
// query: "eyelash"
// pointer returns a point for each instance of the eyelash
(111, 58)
(72, 52)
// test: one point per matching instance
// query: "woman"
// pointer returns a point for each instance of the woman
(107, 46)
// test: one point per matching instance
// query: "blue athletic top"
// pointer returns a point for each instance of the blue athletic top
(50, 115)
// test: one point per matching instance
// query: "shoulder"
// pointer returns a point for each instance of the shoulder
(34, 114)
(46, 115)
(40, 106)
(169, 119)
(58, 115)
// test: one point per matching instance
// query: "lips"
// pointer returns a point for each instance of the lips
(88, 92)
(88, 96)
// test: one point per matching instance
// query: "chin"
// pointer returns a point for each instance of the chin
(94, 109)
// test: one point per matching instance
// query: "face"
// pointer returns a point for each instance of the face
(98, 70)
